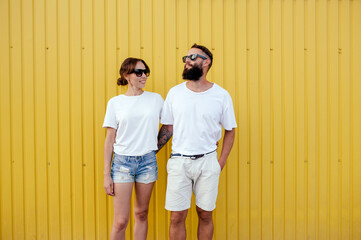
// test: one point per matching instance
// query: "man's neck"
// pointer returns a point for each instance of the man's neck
(199, 86)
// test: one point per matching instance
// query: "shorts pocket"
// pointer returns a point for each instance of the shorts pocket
(217, 166)
(170, 163)
(119, 159)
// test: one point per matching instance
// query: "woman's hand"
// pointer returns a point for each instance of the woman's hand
(108, 185)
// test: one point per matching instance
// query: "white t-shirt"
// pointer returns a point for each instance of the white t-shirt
(136, 119)
(197, 118)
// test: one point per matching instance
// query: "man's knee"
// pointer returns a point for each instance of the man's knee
(204, 216)
(178, 217)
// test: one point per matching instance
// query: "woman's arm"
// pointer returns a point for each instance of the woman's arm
(108, 153)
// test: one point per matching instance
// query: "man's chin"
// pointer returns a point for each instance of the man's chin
(193, 74)
(194, 80)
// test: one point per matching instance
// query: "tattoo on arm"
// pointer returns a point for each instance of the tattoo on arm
(163, 137)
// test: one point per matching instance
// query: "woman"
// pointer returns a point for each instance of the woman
(132, 123)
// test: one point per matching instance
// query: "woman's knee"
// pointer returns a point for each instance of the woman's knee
(141, 215)
(120, 224)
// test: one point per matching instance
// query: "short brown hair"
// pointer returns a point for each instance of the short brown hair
(206, 51)
(127, 67)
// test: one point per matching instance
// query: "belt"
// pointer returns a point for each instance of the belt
(193, 157)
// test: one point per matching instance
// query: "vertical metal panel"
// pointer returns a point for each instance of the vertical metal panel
(287, 74)
(87, 110)
(265, 111)
(345, 113)
(52, 117)
(356, 110)
(291, 67)
(356, 103)
(6, 197)
(278, 122)
(110, 63)
(28, 131)
(75, 84)
(230, 83)
(300, 120)
(218, 77)
(16, 119)
(333, 116)
(64, 119)
(100, 32)
(242, 114)
(41, 172)
(310, 59)
(321, 116)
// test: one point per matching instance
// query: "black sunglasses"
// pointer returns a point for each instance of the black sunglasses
(139, 72)
(193, 57)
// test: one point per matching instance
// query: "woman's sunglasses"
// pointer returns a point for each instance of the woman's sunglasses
(193, 57)
(139, 72)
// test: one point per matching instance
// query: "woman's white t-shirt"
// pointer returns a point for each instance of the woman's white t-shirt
(136, 119)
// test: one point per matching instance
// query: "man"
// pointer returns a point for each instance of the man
(194, 113)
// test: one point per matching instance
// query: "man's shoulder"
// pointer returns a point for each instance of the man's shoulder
(177, 88)
(220, 90)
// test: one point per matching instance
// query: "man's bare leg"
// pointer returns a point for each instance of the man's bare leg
(205, 224)
(177, 229)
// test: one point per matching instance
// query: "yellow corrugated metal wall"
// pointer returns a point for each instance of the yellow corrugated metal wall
(292, 67)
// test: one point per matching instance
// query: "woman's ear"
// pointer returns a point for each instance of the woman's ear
(126, 76)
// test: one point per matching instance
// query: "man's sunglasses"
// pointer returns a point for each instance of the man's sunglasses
(193, 57)
(139, 72)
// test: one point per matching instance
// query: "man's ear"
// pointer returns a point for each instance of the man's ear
(207, 62)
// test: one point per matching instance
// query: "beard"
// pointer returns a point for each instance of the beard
(194, 73)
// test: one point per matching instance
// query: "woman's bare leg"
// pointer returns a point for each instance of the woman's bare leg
(143, 193)
(121, 203)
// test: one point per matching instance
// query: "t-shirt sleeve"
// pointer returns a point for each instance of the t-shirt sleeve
(161, 104)
(228, 118)
(167, 113)
(110, 119)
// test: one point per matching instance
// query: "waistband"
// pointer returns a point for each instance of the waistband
(136, 156)
(193, 157)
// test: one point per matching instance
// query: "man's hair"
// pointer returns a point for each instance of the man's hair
(206, 51)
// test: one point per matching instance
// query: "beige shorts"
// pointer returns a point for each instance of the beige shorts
(200, 176)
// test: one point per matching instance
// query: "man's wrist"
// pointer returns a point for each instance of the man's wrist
(222, 162)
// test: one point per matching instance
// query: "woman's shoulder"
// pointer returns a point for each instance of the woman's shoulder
(153, 94)
(115, 98)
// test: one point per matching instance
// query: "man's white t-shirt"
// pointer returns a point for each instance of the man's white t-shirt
(136, 119)
(197, 118)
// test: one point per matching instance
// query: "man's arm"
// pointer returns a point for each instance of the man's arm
(165, 133)
(227, 146)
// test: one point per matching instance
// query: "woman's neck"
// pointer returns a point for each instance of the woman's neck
(132, 91)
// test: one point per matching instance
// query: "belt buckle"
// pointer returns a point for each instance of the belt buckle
(194, 157)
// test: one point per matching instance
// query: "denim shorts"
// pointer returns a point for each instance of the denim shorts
(142, 169)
